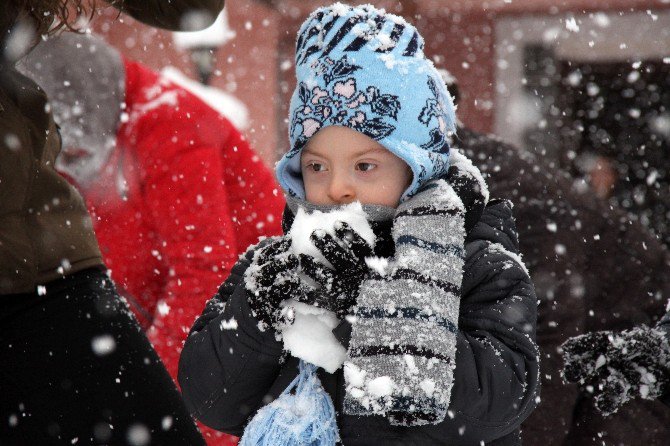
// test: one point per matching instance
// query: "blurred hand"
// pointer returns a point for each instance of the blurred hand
(618, 366)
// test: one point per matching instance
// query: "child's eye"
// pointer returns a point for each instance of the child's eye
(365, 167)
(316, 167)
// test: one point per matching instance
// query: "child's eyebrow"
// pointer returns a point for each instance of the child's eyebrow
(310, 152)
(371, 150)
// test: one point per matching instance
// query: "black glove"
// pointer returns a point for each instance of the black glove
(346, 252)
(273, 277)
(618, 366)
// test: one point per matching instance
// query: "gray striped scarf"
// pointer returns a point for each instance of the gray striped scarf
(401, 358)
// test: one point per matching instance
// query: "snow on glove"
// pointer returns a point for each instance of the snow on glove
(273, 277)
(403, 344)
(346, 252)
(618, 366)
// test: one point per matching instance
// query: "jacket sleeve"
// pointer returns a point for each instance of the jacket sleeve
(169, 14)
(187, 203)
(496, 380)
(228, 364)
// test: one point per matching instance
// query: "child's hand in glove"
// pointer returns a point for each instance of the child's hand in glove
(618, 366)
(273, 277)
(346, 252)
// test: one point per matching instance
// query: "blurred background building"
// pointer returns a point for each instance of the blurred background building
(584, 83)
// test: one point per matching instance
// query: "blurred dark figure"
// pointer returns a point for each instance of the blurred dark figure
(593, 269)
(76, 367)
(620, 111)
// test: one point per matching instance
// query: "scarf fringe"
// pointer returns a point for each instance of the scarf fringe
(302, 415)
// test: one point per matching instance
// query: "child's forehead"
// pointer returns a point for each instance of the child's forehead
(365, 150)
(342, 141)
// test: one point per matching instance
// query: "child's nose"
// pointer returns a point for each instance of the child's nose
(341, 189)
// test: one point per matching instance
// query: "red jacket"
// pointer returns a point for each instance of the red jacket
(181, 197)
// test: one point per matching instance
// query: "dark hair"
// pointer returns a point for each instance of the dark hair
(43, 12)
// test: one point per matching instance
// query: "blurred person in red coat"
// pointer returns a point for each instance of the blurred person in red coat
(175, 191)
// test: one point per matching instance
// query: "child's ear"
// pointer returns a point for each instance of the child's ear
(410, 176)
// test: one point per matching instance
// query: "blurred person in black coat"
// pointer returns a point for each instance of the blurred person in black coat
(76, 367)
(593, 269)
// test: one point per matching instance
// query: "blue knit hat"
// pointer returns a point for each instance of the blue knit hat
(362, 68)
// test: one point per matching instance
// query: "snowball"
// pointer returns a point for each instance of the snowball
(310, 336)
(306, 223)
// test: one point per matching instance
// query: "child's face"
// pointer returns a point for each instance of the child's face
(340, 165)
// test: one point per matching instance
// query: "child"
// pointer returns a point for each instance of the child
(370, 122)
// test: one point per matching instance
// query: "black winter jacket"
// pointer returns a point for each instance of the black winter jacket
(227, 375)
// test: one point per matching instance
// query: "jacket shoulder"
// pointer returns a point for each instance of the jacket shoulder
(496, 225)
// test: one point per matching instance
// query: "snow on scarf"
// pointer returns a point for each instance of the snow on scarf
(403, 346)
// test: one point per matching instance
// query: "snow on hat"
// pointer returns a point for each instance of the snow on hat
(362, 68)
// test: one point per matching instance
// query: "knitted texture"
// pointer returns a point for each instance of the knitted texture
(617, 366)
(302, 415)
(403, 345)
(362, 68)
